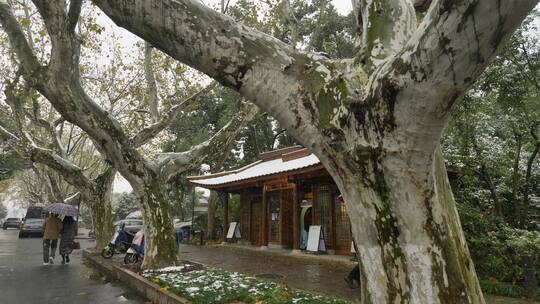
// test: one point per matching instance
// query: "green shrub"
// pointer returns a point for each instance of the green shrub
(496, 248)
(505, 289)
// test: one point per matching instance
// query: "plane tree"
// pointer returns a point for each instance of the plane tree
(374, 120)
(60, 83)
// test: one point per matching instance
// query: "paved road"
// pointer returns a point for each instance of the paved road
(23, 278)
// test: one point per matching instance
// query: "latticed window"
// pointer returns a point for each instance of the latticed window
(343, 225)
(273, 208)
(323, 197)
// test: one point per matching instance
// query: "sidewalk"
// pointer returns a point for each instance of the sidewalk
(320, 274)
(299, 272)
(317, 274)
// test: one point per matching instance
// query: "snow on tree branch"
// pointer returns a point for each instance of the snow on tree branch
(27, 149)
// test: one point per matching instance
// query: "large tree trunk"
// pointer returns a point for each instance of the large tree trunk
(408, 233)
(99, 200)
(60, 83)
(160, 244)
(100, 208)
(374, 121)
(356, 114)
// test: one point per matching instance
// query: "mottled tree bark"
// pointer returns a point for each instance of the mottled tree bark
(95, 193)
(374, 121)
(160, 244)
(59, 82)
(99, 200)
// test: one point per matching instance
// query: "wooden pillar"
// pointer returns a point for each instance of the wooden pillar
(264, 221)
(296, 219)
(225, 214)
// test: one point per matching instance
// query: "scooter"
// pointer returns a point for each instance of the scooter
(135, 253)
(120, 242)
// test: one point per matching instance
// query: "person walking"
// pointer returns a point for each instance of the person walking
(51, 230)
(67, 234)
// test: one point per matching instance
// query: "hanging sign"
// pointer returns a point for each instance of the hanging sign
(315, 241)
(234, 231)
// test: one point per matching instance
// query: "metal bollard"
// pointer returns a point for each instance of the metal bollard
(530, 284)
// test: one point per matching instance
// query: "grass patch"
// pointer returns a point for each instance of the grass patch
(211, 285)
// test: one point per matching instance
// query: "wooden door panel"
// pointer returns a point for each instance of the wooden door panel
(256, 220)
(274, 217)
(286, 217)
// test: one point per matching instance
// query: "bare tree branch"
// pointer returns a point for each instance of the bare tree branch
(151, 83)
(73, 14)
(27, 149)
(171, 164)
(167, 119)
(264, 69)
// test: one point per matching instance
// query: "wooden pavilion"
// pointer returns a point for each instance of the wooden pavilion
(281, 195)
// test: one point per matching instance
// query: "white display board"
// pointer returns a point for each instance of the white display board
(234, 230)
(315, 241)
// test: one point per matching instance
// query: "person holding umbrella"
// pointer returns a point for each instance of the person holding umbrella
(67, 234)
(51, 230)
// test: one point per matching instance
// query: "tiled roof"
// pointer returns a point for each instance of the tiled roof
(260, 168)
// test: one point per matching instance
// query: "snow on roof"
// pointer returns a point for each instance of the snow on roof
(257, 169)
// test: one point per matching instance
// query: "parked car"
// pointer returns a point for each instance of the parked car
(31, 227)
(131, 225)
(12, 222)
(35, 212)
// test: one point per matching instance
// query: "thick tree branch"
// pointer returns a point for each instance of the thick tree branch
(454, 44)
(73, 14)
(387, 26)
(290, 21)
(421, 6)
(54, 15)
(266, 71)
(170, 164)
(18, 41)
(450, 48)
(150, 83)
(29, 150)
(19, 113)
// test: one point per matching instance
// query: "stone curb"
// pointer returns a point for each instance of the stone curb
(137, 283)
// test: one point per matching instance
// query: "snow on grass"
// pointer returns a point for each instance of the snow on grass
(218, 286)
